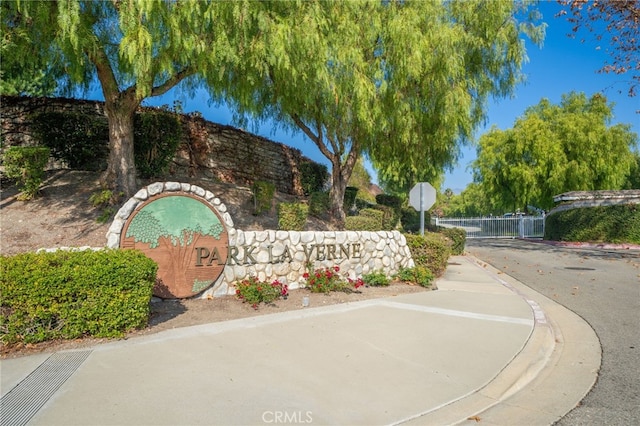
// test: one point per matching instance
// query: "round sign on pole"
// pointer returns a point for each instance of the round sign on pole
(422, 196)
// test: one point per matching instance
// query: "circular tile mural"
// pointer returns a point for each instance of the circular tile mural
(185, 236)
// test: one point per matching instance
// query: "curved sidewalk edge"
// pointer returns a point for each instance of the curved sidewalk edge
(551, 375)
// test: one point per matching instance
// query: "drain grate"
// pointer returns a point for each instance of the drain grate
(23, 402)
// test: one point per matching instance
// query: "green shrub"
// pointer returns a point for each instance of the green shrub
(393, 206)
(349, 199)
(410, 219)
(157, 136)
(431, 251)
(389, 217)
(80, 140)
(458, 237)
(376, 279)
(376, 214)
(26, 165)
(419, 275)
(292, 216)
(361, 203)
(263, 193)
(382, 216)
(71, 294)
(361, 223)
(313, 177)
(254, 291)
(319, 203)
(392, 201)
(105, 200)
(611, 224)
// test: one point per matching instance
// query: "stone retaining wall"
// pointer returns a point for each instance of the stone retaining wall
(208, 150)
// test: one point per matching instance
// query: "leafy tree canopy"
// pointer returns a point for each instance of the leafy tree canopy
(133, 49)
(471, 202)
(361, 179)
(402, 81)
(633, 181)
(553, 149)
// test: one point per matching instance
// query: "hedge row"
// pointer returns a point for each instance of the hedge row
(70, 294)
(612, 224)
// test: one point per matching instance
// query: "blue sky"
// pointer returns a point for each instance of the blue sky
(562, 65)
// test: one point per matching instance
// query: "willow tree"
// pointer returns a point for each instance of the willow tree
(401, 81)
(133, 49)
(553, 149)
(310, 69)
(442, 62)
(25, 69)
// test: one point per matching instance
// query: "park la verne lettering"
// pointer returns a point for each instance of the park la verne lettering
(190, 234)
(246, 255)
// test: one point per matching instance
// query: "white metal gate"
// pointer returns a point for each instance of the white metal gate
(496, 227)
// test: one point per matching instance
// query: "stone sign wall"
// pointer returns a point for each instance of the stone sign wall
(208, 150)
(189, 233)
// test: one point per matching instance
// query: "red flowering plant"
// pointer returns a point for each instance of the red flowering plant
(328, 279)
(254, 291)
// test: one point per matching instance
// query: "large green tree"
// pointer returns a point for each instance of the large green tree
(25, 68)
(633, 181)
(361, 179)
(553, 149)
(403, 81)
(471, 202)
(133, 49)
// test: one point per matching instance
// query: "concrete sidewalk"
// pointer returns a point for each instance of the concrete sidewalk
(482, 347)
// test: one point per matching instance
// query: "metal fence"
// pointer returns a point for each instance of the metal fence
(496, 227)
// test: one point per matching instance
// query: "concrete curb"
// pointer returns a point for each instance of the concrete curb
(561, 372)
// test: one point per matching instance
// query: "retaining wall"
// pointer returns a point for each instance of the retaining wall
(208, 150)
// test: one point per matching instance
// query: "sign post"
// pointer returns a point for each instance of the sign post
(421, 197)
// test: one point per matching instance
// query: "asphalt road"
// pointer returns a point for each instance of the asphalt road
(603, 287)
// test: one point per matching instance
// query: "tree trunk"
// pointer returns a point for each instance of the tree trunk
(336, 195)
(120, 175)
(340, 174)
